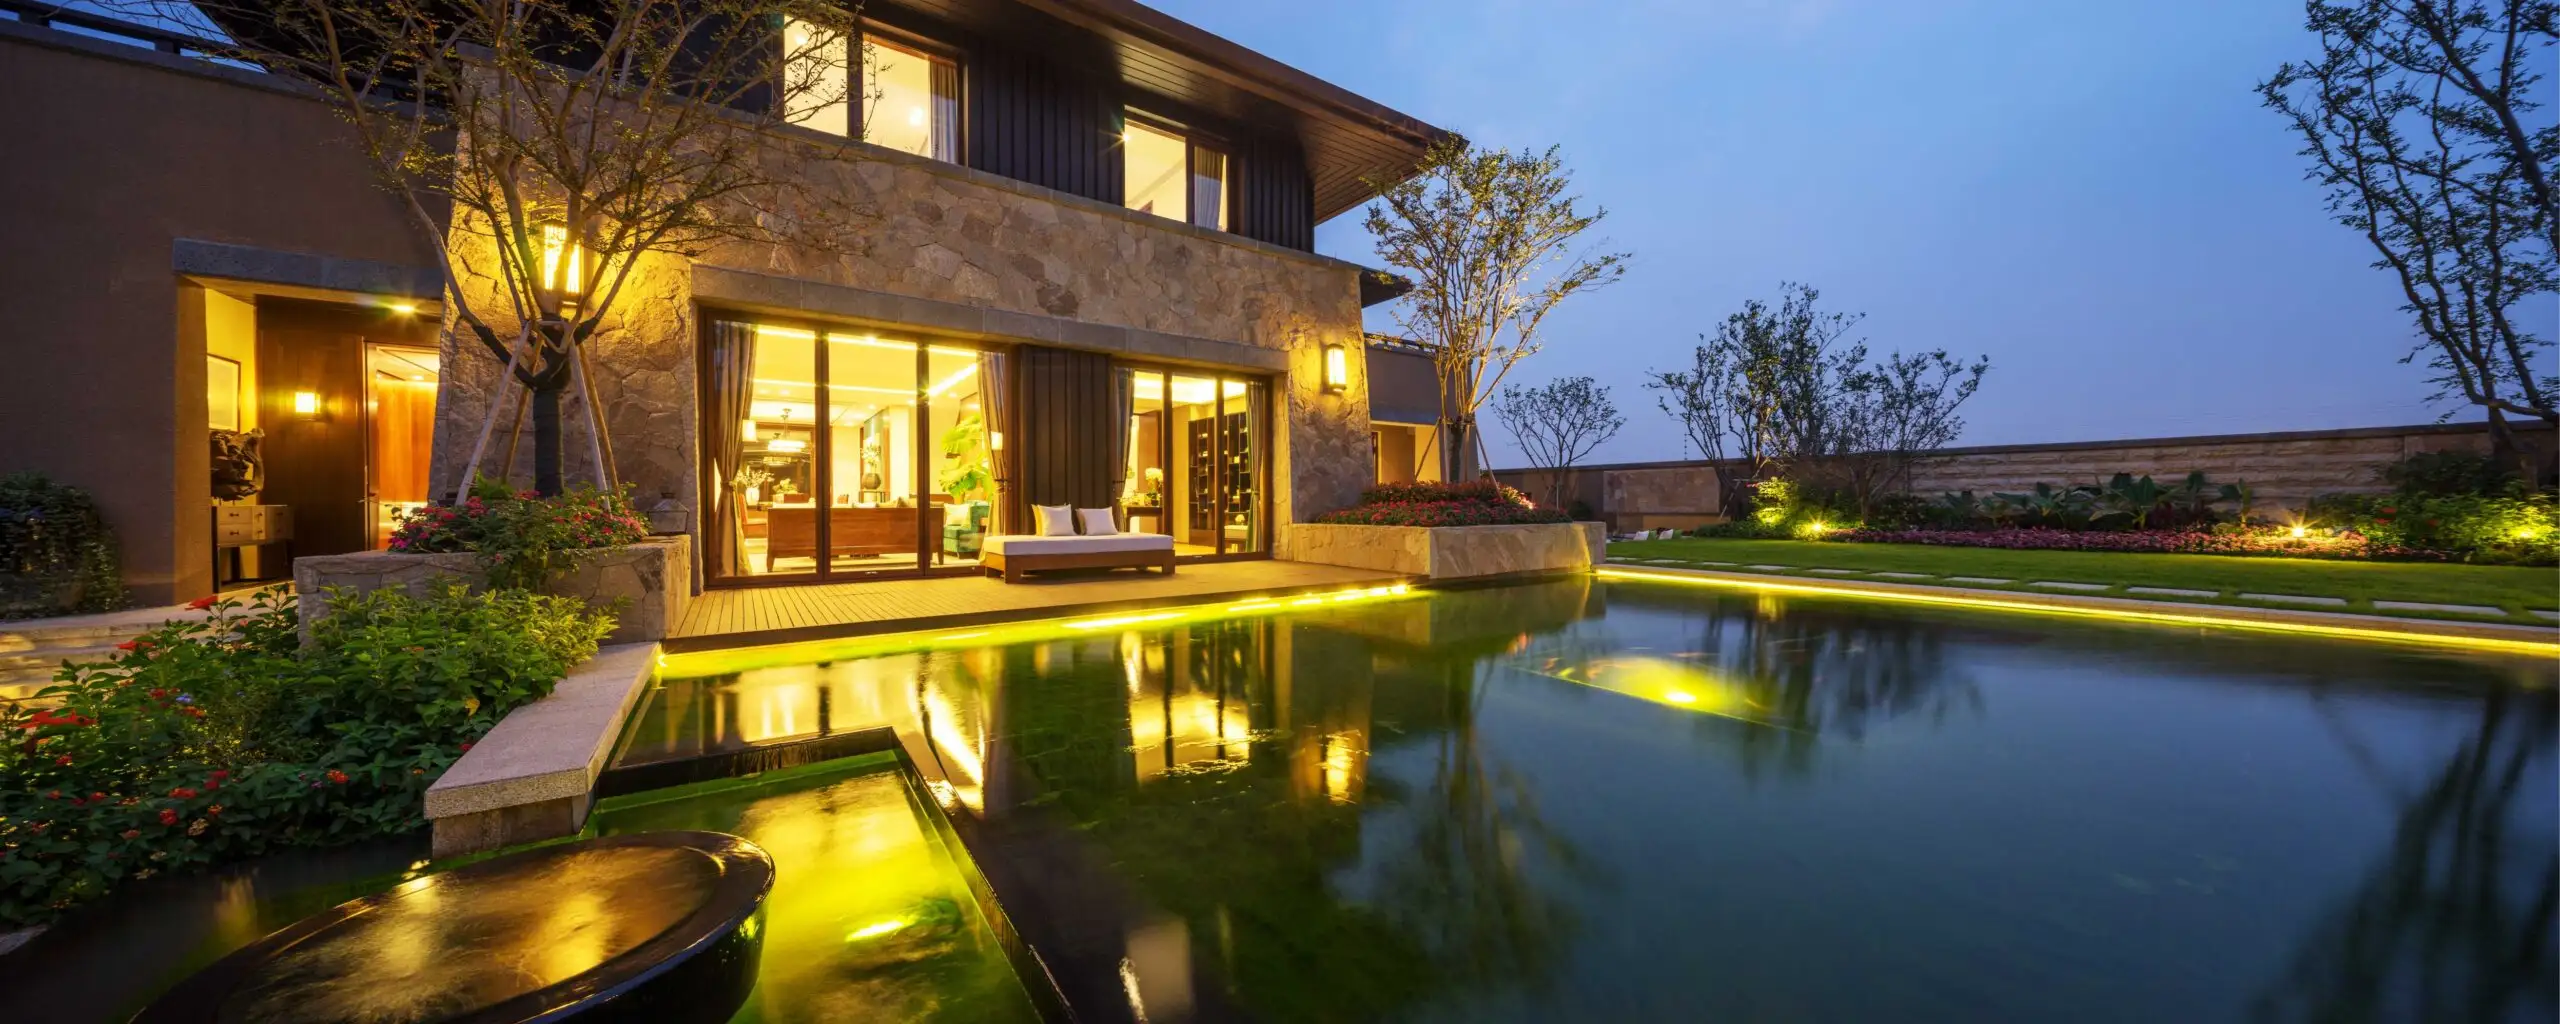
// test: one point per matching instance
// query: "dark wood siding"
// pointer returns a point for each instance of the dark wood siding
(1275, 201)
(1064, 422)
(1031, 121)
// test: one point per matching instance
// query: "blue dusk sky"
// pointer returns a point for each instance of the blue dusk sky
(2088, 193)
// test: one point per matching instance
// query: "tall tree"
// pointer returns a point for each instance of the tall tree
(2419, 119)
(1557, 424)
(1791, 393)
(550, 147)
(1486, 237)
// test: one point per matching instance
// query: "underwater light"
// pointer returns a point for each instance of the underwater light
(877, 929)
(2537, 648)
(1681, 697)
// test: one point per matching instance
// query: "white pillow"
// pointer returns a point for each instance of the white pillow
(1056, 520)
(1097, 522)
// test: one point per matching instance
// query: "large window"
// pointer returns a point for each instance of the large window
(907, 100)
(1172, 175)
(844, 453)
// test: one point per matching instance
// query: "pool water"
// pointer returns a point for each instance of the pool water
(870, 917)
(1580, 799)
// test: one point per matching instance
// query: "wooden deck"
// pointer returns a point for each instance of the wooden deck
(754, 616)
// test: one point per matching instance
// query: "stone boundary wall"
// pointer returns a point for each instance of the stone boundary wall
(647, 584)
(2283, 469)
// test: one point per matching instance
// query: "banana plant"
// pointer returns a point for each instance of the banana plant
(1959, 508)
(2242, 494)
(2133, 499)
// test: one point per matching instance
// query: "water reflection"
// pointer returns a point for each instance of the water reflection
(1549, 800)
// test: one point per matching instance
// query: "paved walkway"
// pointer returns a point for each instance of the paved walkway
(2402, 609)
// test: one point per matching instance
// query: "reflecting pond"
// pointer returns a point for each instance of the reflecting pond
(1583, 800)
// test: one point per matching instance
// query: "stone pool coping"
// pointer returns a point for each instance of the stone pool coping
(2519, 639)
(534, 775)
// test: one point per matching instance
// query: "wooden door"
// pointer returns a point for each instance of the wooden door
(315, 447)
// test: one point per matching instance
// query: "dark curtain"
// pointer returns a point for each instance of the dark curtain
(730, 390)
(1124, 400)
(995, 391)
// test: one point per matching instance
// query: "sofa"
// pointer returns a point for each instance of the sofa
(1012, 555)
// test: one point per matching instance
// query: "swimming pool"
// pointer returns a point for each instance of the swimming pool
(1582, 799)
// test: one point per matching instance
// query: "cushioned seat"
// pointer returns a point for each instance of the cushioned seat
(1015, 554)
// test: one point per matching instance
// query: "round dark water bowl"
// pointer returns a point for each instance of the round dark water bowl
(660, 926)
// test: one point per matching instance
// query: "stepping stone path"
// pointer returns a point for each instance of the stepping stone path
(1977, 579)
(2331, 602)
(2061, 585)
(2547, 613)
(1704, 562)
(2422, 606)
(1770, 568)
(1901, 575)
(2171, 592)
(1836, 572)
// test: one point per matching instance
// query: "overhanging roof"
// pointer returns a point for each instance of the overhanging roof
(1349, 140)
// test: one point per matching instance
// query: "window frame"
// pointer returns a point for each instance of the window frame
(1193, 141)
(868, 29)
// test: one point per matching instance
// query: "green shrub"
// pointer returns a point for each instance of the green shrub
(2445, 474)
(1431, 503)
(2515, 528)
(523, 539)
(223, 738)
(57, 555)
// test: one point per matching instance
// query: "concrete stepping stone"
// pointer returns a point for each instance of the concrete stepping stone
(1901, 575)
(1662, 561)
(2546, 613)
(1705, 562)
(2171, 592)
(2331, 602)
(1770, 568)
(2423, 606)
(1978, 579)
(2065, 585)
(1834, 572)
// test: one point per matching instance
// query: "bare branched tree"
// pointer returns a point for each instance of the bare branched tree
(1789, 393)
(1486, 237)
(1557, 424)
(2419, 119)
(550, 147)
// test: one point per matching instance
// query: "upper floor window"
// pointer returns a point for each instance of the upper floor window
(1173, 176)
(909, 100)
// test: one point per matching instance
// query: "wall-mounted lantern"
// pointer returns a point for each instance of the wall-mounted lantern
(556, 250)
(1337, 368)
(306, 404)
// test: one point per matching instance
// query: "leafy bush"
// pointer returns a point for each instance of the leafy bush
(1478, 503)
(217, 739)
(2516, 528)
(523, 539)
(2443, 474)
(57, 555)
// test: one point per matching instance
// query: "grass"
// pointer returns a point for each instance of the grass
(2513, 589)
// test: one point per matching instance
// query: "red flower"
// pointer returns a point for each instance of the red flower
(64, 759)
(168, 817)
(132, 833)
(213, 810)
(466, 747)
(183, 793)
(134, 644)
(201, 603)
(337, 777)
(195, 712)
(54, 795)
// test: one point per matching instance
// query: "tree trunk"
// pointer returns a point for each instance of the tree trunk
(1457, 443)
(546, 441)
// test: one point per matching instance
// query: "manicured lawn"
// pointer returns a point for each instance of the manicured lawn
(2513, 589)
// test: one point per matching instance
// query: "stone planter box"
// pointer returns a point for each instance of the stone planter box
(651, 580)
(1449, 552)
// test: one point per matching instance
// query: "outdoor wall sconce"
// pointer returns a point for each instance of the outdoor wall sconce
(306, 404)
(1337, 368)
(556, 246)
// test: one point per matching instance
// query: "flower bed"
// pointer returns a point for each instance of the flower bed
(218, 739)
(523, 539)
(2266, 541)
(1483, 503)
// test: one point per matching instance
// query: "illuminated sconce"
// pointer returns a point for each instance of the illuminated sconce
(405, 308)
(556, 246)
(746, 430)
(995, 440)
(1337, 368)
(306, 404)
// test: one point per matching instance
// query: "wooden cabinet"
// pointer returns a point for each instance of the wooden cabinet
(246, 526)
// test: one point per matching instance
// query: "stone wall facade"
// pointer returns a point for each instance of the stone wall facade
(1448, 552)
(646, 586)
(1029, 264)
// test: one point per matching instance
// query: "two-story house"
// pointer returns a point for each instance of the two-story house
(1090, 281)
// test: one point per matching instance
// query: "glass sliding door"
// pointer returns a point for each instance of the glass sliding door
(1196, 461)
(876, 512)
(836, 454)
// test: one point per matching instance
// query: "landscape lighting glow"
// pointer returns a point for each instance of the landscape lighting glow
(2536, 648)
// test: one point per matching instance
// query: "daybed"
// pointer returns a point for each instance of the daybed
(1016, 554)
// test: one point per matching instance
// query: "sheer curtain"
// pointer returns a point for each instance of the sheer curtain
(1256, 458)
(946, 112)
(995, 390)
(731, 390)
(1124, 404)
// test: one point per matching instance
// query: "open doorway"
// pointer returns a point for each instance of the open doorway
(400, 421)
